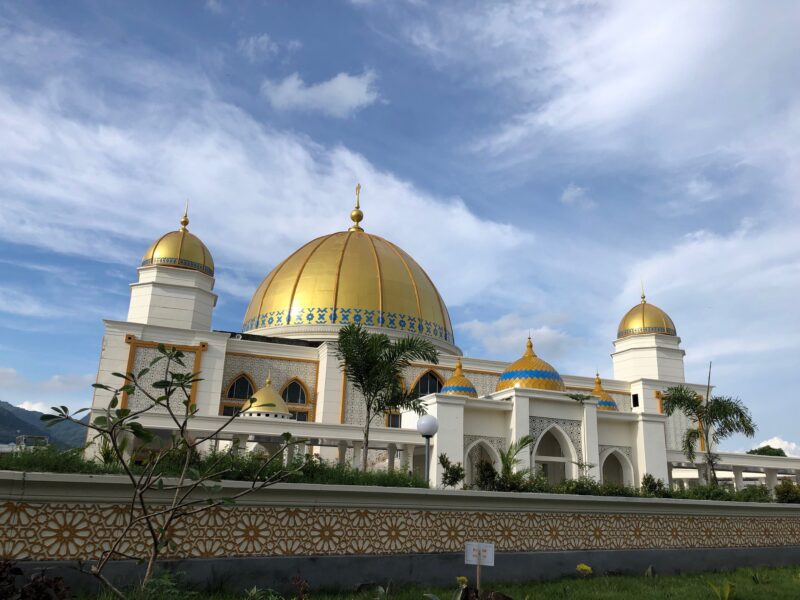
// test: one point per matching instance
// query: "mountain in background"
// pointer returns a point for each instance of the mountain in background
(16, 421)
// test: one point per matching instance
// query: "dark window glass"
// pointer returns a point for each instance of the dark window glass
(241, 389)
(294, 394)
(300, 416)
(393, 420)
(428, 384)
(228, 411)
(635, 400)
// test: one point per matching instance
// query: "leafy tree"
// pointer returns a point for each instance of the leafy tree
(160, 499)
(452, 473)
(374, 364)
(767, 451)
(712, 420)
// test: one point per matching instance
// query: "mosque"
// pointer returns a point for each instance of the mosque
(285, 357)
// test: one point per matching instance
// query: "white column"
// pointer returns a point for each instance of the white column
(520, 426)
(342, 452)
(391, 450)
(738, 478)
(591, 448)
(449, 411)
(701, 474)
(239, 444)
(357, 449)
(651, 446)
(407, 458)
(772, 478)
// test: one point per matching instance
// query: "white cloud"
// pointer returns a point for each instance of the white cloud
(176, 139)
(17, 302)
(258, 47)
(791, 448)
(341, 96)
(506, 336)
(215, 6)
(72, 390)
(574, 195)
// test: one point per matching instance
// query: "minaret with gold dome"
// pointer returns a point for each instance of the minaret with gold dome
(176, 279)
(647, 348)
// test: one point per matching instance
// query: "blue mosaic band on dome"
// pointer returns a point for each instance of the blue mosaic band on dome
(530, 374)
(346, 316)
(460, 389)
(641, 330)
(178, 262)
(607, 404)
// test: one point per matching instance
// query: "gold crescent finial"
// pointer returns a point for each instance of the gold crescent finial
(268, 380)
(529, 347)
(185, 217)
(643, 300)
(356, 214)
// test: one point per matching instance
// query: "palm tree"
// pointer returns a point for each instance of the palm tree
(374, 365)
(713, 421)
(509, 460)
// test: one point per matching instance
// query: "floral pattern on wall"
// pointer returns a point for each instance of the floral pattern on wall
(83, 531)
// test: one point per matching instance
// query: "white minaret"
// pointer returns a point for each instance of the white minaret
(176, 279)
(647, 346)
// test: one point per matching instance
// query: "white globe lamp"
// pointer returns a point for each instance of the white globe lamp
(427, 426)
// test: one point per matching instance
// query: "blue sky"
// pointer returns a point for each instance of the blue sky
(539, 160)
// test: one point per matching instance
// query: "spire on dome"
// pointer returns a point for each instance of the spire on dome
(185, 217)
(605, 401)
(458, 384)
(356, 214)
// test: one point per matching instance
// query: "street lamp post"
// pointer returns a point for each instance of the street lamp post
(427, 425)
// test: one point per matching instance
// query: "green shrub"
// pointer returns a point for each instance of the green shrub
(233, 467)
(584, 486)
(704, 492)
(787, 492)
(452, 473)
(753, 493)
(485, 477)
(653, 488)
(616, 489)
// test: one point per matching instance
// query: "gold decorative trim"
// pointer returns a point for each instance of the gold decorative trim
(136, 343)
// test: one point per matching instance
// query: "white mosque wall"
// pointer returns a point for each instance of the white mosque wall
(648, 356)
(171, 297)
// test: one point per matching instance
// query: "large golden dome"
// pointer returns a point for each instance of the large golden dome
(349, 277)
(180, 249)
(645, 318)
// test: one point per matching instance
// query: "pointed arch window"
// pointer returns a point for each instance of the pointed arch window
(295, 395)
(241, 389)
(428, 383)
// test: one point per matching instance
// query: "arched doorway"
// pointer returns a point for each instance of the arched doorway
(477, 453)
(553, 456)
(616, 468)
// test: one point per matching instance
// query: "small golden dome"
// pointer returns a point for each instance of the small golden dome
(349, 277)
(267, 400)
(530, 372)
(458, 384)
(180, 249)
(645, 318)
(605, 402)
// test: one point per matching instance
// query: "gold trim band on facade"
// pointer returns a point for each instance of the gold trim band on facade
(136, 343)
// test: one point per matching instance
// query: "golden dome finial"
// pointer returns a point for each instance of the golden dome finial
(643, 300)
(185, 217)
(356, 214)
(459, 371)
(268, 380)
(529, 347)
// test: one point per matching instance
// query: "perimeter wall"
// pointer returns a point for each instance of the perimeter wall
(55, 517)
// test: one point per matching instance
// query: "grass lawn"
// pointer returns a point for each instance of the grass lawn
(772, 584)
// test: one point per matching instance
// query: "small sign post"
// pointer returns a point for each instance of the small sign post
(479, 554)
